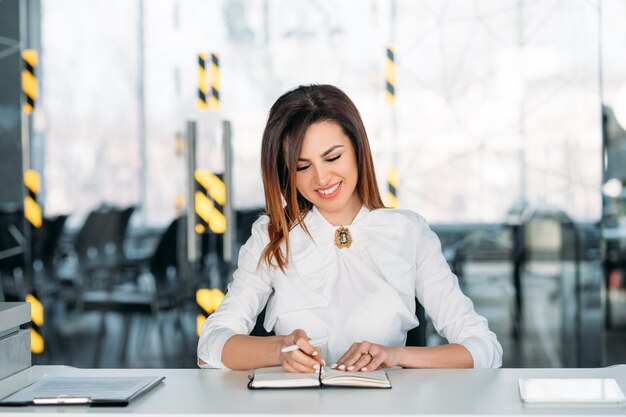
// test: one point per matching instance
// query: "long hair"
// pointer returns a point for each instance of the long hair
(288, 121)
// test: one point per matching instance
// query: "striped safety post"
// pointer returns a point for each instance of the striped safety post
(214, 75)
(32, 209)
(201, 102)
(32, 213)
(36, 320)
(29, 80)
(209, 200)
(208, 300)
(390, 77)
(392, 187)
(390, 96)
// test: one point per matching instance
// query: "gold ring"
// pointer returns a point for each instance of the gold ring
(365, 352)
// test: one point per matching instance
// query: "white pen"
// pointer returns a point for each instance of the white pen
(313, 342)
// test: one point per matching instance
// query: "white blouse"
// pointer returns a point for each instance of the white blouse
(364, 292)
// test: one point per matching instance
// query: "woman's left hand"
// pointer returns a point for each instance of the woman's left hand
(366, 356)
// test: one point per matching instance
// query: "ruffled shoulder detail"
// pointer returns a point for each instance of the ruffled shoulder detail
(388, 239)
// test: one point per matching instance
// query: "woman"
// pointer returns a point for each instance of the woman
(331, 262)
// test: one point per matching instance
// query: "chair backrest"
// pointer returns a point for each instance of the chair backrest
(101, 238)
(88, 240)
(163, 263)
(46, 239)
(112, 237)
(417, 336)
(258, 329)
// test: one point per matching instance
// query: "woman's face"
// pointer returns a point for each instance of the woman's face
(327, 173)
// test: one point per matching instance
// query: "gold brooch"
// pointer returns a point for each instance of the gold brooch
(343, 239)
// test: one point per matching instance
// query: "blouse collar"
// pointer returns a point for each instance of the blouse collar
(321, 219)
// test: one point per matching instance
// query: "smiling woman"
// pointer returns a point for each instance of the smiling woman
(306, 130)
(327, 173)
(329, 262)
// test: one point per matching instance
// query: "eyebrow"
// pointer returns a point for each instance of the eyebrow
(332, 148)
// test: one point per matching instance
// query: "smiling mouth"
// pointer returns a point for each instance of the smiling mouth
(330, 190)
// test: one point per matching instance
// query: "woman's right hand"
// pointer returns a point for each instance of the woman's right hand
(305, 359)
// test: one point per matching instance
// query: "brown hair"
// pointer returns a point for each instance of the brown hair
(288, 121)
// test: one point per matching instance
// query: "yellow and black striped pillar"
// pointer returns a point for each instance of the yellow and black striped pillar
(390, 77)
(208, 300)
(209, 200)
(29, 80)
(32, 209)
(33, 214)
(36, 321)
(214, 72)
(392, 187)
(201, 102)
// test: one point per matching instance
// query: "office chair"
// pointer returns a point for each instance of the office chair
(99, 246)
(157, 292)
(417, 335)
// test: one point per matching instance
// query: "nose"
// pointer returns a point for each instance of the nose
(322, 175)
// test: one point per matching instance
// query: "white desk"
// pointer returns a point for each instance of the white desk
(415, 392)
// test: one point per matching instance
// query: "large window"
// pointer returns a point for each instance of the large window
(497, 101)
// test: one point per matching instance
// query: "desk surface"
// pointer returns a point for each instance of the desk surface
(415, 392)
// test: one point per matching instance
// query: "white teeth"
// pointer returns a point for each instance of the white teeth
(329, 190)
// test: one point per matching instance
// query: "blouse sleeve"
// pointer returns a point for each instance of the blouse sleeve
(246, 296)
(451, 311)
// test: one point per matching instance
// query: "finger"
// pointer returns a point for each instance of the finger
(301, 368)
(341, 362)
(288, 368)
(352, 361)
(299, 334)
(379, 356)
(296, 367)
(304, 345)
(362, 363)
(376, 363)
(303, 362)
(300, 339)
(292, 366)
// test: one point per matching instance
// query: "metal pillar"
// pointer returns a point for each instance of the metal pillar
(141, 110)
(230, 237)
(193, 250)
(13, 243)
(11, 165)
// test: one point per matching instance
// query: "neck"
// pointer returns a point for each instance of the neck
(346, 216)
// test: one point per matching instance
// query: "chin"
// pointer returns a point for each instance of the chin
(331, 206)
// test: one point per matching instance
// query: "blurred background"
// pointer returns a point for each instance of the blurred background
(130, 136)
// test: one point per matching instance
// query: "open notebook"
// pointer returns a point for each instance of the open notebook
(276, 377)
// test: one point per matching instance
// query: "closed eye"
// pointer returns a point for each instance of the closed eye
(302, 168)
(333, 158)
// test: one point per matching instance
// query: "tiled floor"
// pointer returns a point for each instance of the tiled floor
(543, 342)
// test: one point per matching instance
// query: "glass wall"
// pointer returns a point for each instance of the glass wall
(497, 101)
